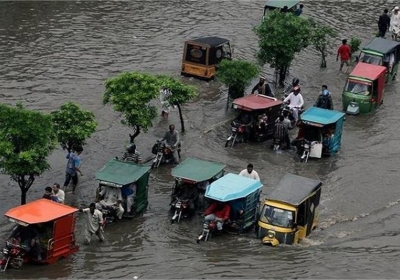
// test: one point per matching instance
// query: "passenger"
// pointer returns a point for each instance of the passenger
(262, 88)
(237, 210)
(48, 194)
(30, 237)
(262, 122)
(249, 172)
(94, 223)
(172, 141)
(73, 167)
(59, 193)
(128, 195)
(296, 102)
(132, 154)
(324, 100)
(218, 211)
(112, 198)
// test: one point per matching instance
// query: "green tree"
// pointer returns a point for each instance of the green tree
(26, 140)
(280, 37)
(130, 93)
(73, 125)
(320, 39)
(179, 93)
(236, 75)
(355, 44)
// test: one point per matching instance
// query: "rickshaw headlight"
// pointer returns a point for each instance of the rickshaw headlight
(271, 234)
(5, 251)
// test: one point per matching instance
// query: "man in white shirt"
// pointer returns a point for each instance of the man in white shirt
(249, 172)
(94, 223)
(394, 20)
(59, 193)
(296, 102)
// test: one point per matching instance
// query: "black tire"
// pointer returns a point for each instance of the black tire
(227, 143)
(153, 165)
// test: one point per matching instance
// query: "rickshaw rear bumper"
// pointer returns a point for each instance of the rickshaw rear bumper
(353, 108)
(270, 241)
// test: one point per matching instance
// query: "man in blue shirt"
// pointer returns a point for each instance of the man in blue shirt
(299, 10)
(73, 168)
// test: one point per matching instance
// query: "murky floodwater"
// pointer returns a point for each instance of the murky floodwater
(52, 52)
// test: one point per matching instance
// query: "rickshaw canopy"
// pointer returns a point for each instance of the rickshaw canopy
(321, 116)
(294, 189)
(368, 71)
(119, 173)
(255, 102)
(197, 170)
(210, 41)
(231, 187)
(381, 45)
(39, 211)
(280, 3)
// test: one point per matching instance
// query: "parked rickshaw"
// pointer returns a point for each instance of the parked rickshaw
(320, 133)
(256, 118)
(382, 52)
(364, 89)
(289, 213)
(242, 194)
(125, 175)
(50, 224)
(192, 177)
(201, 56)
(271, 5)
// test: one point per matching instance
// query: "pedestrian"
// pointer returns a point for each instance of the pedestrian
(94, 223)
(262, 88)
(395, 23)
(285, 9)
(132, 154)
(59, 193)
(48, 194)
(324, 100)
(299, 10)
(249, 172)
(345, 54)
(73, 167)
(383, 23)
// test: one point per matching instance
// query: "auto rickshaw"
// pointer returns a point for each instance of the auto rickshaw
(201, 56)
(382, 52)
(260, 112)
(125, 175)
(320, 133)
(242, 194)
(363, 92)
(271, 5)
(53, 224)
(192, 177)
(289, 213)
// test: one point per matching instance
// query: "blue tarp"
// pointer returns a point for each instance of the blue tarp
(321, 116)
(232, 186)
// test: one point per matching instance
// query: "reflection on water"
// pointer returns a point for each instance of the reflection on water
(52, 52)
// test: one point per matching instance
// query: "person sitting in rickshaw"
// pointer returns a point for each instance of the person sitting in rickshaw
(262, 122)
(186, 192)
(262, 88)
(327, 134)
(237, 211)
(246, 120)
(218, 211)
(29, 238)
(128, 193)
(112, 197)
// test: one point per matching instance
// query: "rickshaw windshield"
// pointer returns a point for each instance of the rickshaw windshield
(371, 59)
(358, 87)
(277, 216)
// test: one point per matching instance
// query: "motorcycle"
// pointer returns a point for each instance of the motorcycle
(237, 133)
(163, 153)
(306, 145)
(286, 108)
(13, 255)
(181, 207)
(209, 227)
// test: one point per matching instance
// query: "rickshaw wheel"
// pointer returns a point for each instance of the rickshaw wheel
(227, 143)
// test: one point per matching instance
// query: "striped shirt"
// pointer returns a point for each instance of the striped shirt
(133, 157)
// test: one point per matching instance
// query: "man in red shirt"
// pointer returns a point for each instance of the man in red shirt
(218, 211)
(345, 54)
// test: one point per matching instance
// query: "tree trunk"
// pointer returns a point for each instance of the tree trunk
(282, 75)
(24, 185)
(136, 132)
(23, 196)
(181, 117)
(323, 62)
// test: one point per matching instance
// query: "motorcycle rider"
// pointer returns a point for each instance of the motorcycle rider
(186, 192)
(395, 21)
(263, 88)
(296, 102)
(132, 154)
(218, 211)
(246, 120)
(324, 100)
(172, 141)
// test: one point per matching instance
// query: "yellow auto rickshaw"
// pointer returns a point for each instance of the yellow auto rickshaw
(289, 212)
(202, 55)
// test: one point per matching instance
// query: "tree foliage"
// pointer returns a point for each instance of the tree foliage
(130, 93)
(179, 93)
(73, 125)
(320, 39)
(26, 139)
(281, 36)
(237, 74)
(355, 44)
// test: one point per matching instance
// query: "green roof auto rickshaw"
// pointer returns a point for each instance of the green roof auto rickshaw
(271, 5)
(289, 213)
(363, 92)
(382, 52)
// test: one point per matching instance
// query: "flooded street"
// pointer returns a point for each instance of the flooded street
(58, 51)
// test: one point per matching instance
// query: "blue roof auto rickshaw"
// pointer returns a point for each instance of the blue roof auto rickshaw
(242, 194)
(289, 213)
(192, 177)
(364, 89)
(320, 133)
(382, 52)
